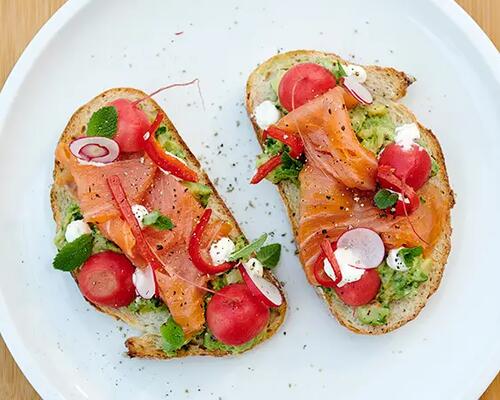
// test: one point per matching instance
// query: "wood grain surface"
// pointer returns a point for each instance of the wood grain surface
(19, 22)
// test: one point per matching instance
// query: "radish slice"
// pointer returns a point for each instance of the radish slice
(95, 149)
(366, 247)
(144, 282)
(261, 288)
(359, 91)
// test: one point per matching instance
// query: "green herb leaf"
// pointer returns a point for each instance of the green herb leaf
(338, 70)
(249, 249)
(158, 221)
(104, 122)
(410, 254)
(269, 255)
(385, 199)
(74, 254)
(173, 336)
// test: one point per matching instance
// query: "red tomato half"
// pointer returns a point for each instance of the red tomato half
(235, 316)
(302, 83)
(132, 125)
(360, 292)
(411, 205)
(412, 166)
(106, 279)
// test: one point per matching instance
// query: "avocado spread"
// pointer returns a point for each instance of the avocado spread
(373, 126)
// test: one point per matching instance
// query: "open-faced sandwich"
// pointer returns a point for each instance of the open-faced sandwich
(364, 183)
(148, 239)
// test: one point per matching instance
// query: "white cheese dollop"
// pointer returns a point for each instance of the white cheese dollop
(357, 72)
(144, 282)
(139, 212)
(394, 261)
(266, 114)
(221, 250)
(406, 135)
(254, 266)
(345, 258)
(75, 229)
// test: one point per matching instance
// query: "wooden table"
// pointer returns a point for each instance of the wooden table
(21, 19)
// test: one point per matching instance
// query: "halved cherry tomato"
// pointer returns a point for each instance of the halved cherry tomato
(412, 166)
(235, 316)
(302, 83)
(105, 279)
(132, 125)
(411, 204)
(360, 292)
(194, 248)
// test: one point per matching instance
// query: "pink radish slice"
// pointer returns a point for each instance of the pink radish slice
(366, 247)
(359, 91)
(261, 288)
(95, 149)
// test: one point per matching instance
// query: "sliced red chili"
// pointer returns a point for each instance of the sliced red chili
(266, 168)
(194, 248)
(326, 246)
(293, 141)
(164, 160)
(120, 197)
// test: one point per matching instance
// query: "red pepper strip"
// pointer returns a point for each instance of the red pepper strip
(195, 248)
(266, 168)
(164, 160)
(385, 175)
(327, 249)
(293, 141)
(120, 197)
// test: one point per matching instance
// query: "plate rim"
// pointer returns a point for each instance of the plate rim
(42, 383)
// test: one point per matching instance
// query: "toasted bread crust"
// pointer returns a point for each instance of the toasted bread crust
(387, 85)
(149, 345)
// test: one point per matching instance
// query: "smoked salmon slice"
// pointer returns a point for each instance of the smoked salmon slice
(180, 291)
(96, 200)
(328, 208)
(330, 142)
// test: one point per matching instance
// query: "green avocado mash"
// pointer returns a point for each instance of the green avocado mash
(71, 213)
(373, 126)
(289, 168)
(395, 286)
(200, 191)
(167, 143)
(143, 306)
(213, 344)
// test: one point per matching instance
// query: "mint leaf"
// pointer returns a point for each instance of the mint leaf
(269, 255)
(173, 336)
(249, 249)
(410, 254)
(338, 70)
(104, 122)
(385, 199)
(158, 221)
(74, 254)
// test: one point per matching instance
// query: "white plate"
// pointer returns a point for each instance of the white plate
(69, 351)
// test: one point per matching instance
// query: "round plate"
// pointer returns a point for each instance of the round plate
(70, 351)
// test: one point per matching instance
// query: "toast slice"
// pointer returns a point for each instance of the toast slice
(149, 343)
(387, 85)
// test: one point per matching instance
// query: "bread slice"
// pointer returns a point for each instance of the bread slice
(387, 85)
(149, 344)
